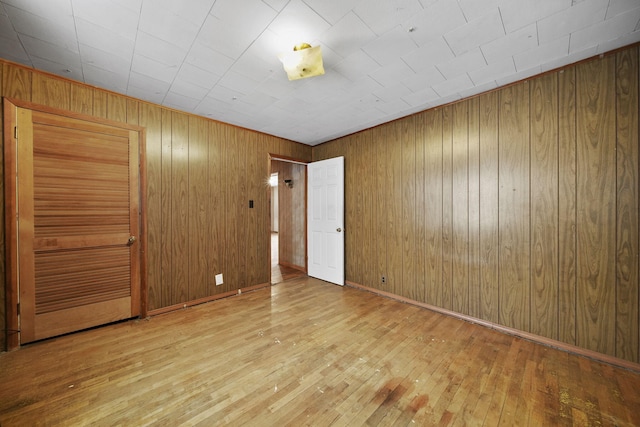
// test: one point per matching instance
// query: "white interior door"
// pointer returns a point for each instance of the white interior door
(326, 220)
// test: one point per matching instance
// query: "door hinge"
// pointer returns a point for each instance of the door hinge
(15, 132)
(18, 309)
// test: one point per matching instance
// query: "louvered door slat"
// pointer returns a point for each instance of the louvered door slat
(83, 184)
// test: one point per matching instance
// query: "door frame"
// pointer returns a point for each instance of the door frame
(281, 158)
(12, 290)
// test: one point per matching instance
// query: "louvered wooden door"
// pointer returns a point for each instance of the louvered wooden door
(77, 203)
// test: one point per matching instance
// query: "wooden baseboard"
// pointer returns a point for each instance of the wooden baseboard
(295, 267)
(600, 357)
(204, 300)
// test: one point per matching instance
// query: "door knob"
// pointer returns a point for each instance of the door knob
(132, 240)
(338, 229)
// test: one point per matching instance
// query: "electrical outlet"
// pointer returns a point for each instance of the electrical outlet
(384, 279)
(219, 280)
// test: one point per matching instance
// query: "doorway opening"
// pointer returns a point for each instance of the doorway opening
(288, 222)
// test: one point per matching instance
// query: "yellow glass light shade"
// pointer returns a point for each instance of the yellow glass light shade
(302, 62)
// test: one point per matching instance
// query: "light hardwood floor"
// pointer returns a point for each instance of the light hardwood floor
(305, 352)
(280, 273)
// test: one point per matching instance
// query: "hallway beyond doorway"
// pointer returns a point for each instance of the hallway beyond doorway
(280, 273)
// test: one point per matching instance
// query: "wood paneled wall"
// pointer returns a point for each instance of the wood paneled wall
(292, 241)
(201, 175)
(518, 206)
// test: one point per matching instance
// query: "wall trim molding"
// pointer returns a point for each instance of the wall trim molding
(547, 342)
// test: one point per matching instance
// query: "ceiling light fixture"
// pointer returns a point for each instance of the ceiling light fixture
(302, 62)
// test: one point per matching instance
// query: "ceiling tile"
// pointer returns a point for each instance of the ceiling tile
(158, 50)
(109, 42)
(59, 32)
(197, 76)
(475, 90)
(224, 94)
(255, 68)
(332, 12)
(153, 86)
(266, 47)
(492, 72)
(51, 10)
(276, 5)
(205, 58)
(225, 38)
(513, 43)
(107, 61)
(50, 52)
(434, 21)
(6, 28)
(462, 64)
(383, 16)
(188, 89)
(212, 107)
(154, 69)
(616, 7)
(392, 93)
(180, 102)
(575, 18)
(474, 9)
(393, 107)
(542, 53)
(198, 55)
(73, 71)
(475, 33)
(348, 35)
(386, 48)
(251, 16)
(160, 22)
(278, 86)
(424, 79)
(626, 40)
(574, 57)
(238, 82)
(132, 5)
(108, 14)
(607, 30)
(297, 23)
(115, 81)
(392, 74)
(520, 75)
(453, 86)
(356, 66)
(13, 50)
(518, 14)
(193, 11)
(421, 98)
(258, 101)
(426, 56)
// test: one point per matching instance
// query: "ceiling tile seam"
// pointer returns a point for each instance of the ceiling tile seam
(265, 3)
(133, 51)
(466, 18)
(195, 38)
(353, 10)
(504, 29)
(486, 63)
(19, 36)
(454, 55)
(75, 28)
(235, 60)
(314, 11)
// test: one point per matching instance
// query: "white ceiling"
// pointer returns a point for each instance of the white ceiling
(384, 59)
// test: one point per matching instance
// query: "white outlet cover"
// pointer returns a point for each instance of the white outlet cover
(219, 280)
